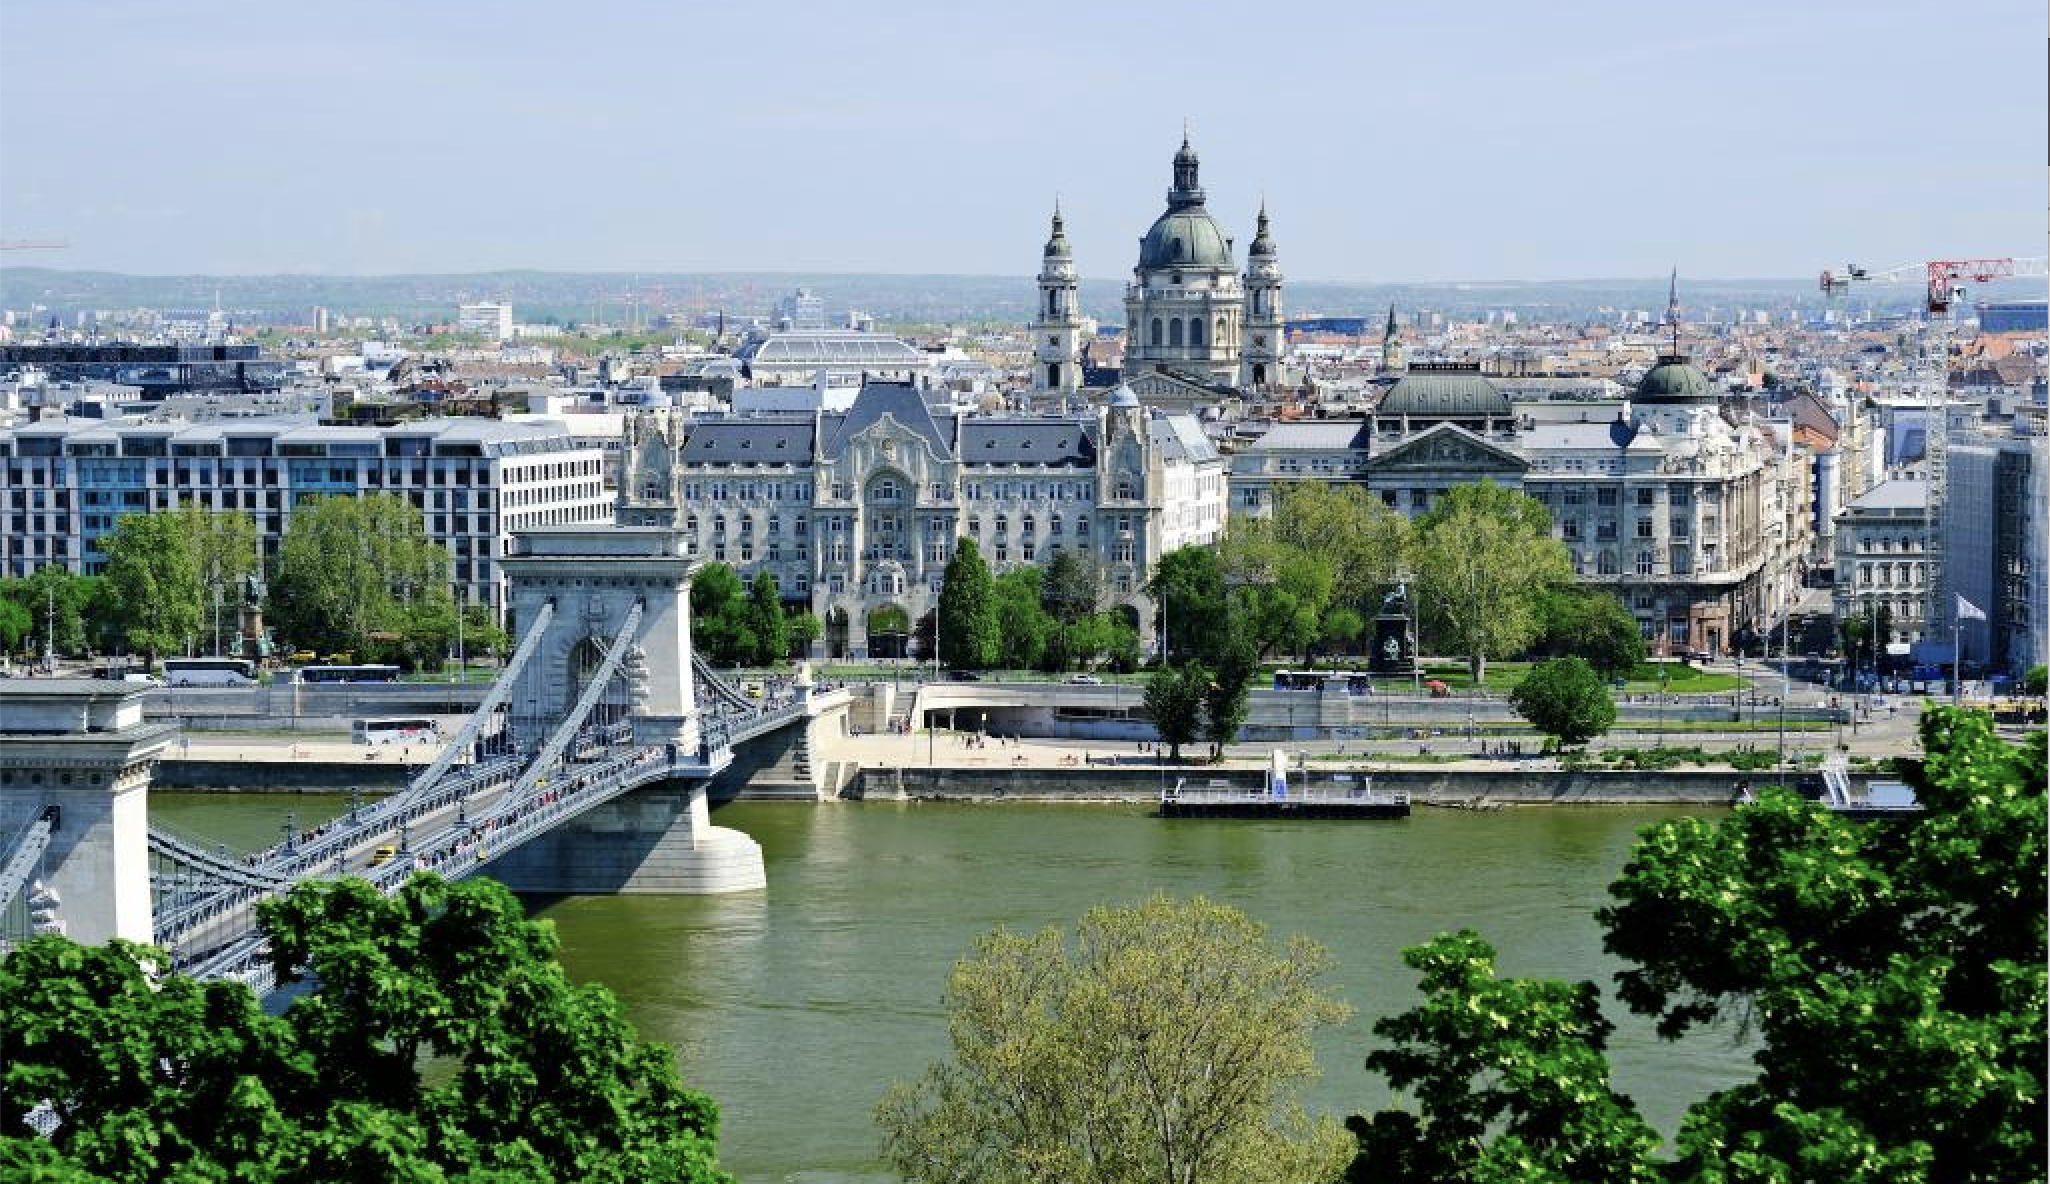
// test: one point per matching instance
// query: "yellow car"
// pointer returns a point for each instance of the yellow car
(383, 855)
(303, 657)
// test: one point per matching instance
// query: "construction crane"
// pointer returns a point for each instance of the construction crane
(1945, 280)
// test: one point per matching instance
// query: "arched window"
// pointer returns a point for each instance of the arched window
(1155, 338)
(1174, 331)
(1195, 330)
(1259, 374)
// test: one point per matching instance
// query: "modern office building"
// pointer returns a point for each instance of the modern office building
(487, 319)
(856, 513)
(156, 370)
(1993, 526)
(474, 481)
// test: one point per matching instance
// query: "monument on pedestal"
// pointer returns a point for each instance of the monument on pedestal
(1394, 651)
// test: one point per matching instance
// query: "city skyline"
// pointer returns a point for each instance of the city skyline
(1415, 146)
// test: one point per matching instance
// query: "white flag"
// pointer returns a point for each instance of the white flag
(1967, 611)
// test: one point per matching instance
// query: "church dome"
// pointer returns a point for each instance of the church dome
(1674, 380)
(1185, 237)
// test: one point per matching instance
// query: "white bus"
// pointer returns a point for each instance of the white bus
(411, 729)
(209, 672)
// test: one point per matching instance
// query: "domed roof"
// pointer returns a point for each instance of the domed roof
(1674, 380)
(1185, 237)
(1444, 390)
(1124, 396)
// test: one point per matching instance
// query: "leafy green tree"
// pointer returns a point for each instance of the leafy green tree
(1023, 626)
(439, 1041)
(1565, 699)
(1342, 628)
(1188, 586)
(1510, 1080)
(768, 622)
(1174, 698)
(1168, 1042)
(224, 550)
(1593, 625)
(153, 579)
(804, 630)
(1482, 554)
(1894, 974)
(1358, 534)
(722, 625)
(76, 600)
(969, 637)
(1072, 588)
(1227, 693)
(352, 568)
(2036, 680)
(1893, 977)
(15, 624)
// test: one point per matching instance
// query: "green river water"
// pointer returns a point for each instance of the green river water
(795, 1008)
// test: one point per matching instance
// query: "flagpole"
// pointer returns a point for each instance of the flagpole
(1957, 656)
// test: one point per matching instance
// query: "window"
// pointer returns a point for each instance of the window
(1680, 526)
(1605, 496)
(1126, 489)
(1196, 331)
(1682, 561)
(1644, 563)
(1174, 331)
(1569, 529)
(1154, 337)
(1644, 497)
(1644, 528)
(1605, 563)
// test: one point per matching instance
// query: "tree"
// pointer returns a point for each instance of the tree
(1073, 586)
(1023, 626)
(1565, 699)
(804, 630)
(155, 1076)
(721, 616)
(1892, 975)
(2034, 681)
(1225, 696)
(1358, 534)
(1593, 625)
(1510, 1080)
(1188, 587)
(1482, 553)
(15, 624)
(351, 567)
(153, 579)
(1174, 698)
(224, 551)
(768, 622)
(1167, 1043)
(969, 637)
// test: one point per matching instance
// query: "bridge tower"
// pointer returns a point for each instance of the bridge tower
(657, 839)
(75, 765)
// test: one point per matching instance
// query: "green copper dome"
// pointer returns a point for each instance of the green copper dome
(1185, 237)
(1674, 380)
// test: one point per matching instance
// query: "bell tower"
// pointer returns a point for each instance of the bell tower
(1260, 354)
(1058, 331)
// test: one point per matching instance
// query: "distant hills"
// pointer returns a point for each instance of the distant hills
(585, 296)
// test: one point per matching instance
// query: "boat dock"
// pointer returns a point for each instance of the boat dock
(1355, 800)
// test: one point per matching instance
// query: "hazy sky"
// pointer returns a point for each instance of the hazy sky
(1394, 139)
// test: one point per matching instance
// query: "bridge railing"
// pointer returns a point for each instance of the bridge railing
(24, 852)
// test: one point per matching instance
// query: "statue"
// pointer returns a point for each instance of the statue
(1396, 603)
(252, 590)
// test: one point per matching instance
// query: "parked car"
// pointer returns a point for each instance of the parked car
(1084, 680)
(963, 676)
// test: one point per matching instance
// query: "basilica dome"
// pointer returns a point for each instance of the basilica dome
(1185, 237)
(1674, 380)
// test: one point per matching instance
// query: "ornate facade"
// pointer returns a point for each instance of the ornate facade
(856, 513)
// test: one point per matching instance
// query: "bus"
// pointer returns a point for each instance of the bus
(1356, 683)
(348, 674)
(407, 729)
(209, 672)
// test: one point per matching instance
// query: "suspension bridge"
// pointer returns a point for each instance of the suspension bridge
(583, 768)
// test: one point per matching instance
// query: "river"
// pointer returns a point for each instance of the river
(796, 1007)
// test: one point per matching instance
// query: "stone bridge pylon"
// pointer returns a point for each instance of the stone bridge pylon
(658, 838)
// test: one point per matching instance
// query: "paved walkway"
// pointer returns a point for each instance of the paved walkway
(274, 749)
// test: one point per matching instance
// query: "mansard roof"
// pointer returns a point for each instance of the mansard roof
(749, 440)
(1002, 440)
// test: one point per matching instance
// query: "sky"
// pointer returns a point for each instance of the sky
(1393, 142)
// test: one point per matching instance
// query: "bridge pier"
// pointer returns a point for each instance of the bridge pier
(657, 840)
(80, 745)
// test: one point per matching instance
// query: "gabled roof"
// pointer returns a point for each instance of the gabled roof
(1180, 437)
(1447, 445)
(901, 401)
